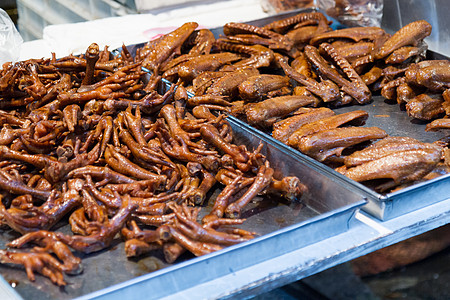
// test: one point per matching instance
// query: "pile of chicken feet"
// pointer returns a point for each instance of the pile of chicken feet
(88, 140)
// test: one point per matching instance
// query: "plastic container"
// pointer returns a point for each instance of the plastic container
(279, 6)
(34, 15)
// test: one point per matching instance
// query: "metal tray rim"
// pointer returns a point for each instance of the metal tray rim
(328, 171)
(350, 208)
(417, 186)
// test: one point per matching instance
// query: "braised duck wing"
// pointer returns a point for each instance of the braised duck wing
(401, 166)
(323, 144)
(262, 112)
(357, 116)
(283, 129)
(386, 147)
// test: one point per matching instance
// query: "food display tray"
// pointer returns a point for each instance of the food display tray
(325, 210)
(395, 122)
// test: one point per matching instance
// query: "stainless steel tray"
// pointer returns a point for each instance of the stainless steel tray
(396, 123)
(325, 210)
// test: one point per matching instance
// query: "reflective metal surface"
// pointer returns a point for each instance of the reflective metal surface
(325, 210)
(396, 123)
(325, 213)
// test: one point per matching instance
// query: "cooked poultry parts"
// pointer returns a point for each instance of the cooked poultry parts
(401, 159)
(291, 72)
(90, 141)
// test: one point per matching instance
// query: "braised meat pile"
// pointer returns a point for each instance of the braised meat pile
(89, 141)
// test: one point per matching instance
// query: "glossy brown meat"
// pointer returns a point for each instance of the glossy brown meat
(261, 86)
(302, 91)
(167, 45)
(266, 112)
(212, 136)
(207, 99)
(209, 62)
(257, 56)
(289, 188)
(386, 147)
(409, 35)
(372, 75)
(204, 233)
(323, 144)
(389, 90)
(45, 216)
(42, 263)
(262, 181)
(404, 53)
(406, 93)
(92, 56)
(438, 124)
(275, 40)
(299, 20)
(301, 65)
(17, 187)
(433, 74)
(203, 81)
(401, 166)
(102, 237)
(326, 90)
(446, 103)
(355, 34)
(283, 129)
(352, 51)
(425, 107)
(227, 85)
(357, 117)
(301, 36)
(45, 241)
(353, 85)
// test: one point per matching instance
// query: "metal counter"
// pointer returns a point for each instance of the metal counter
(395, 122)
(365, 235)
(314, 237)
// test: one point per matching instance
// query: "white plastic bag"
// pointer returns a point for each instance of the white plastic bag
(354, 12)
(10, 39)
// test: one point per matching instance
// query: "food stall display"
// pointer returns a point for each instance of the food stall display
(312, 88)
(147, 145)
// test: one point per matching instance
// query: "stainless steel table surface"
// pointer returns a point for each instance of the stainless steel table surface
(366, 234)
